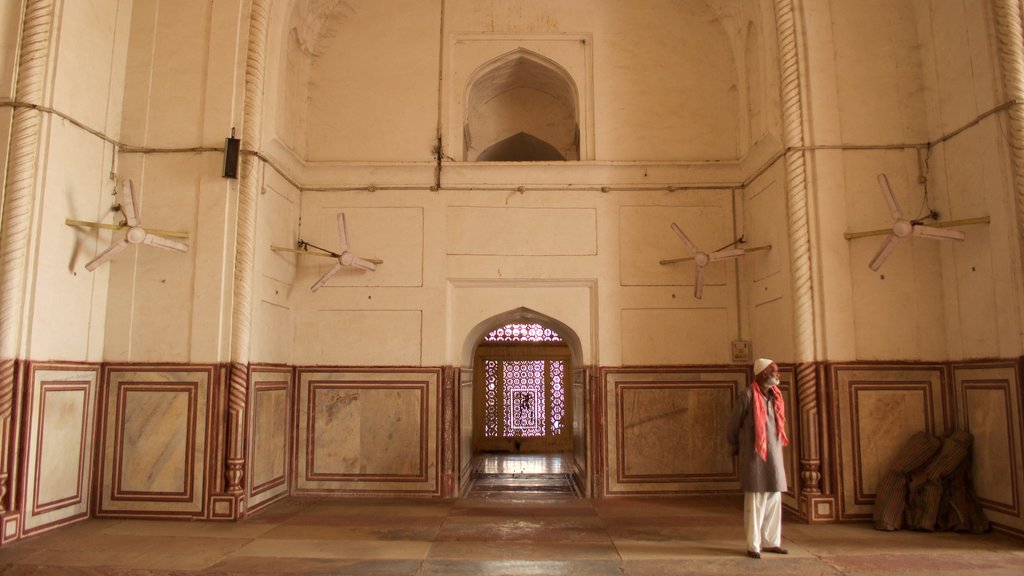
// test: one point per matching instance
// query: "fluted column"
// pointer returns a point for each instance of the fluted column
(18, 199)
(799, 245)
(1011, 57)
(241, 318)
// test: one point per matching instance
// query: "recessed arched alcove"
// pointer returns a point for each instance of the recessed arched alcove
(521, 107)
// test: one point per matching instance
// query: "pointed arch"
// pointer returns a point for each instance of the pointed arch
(521, 315)
(521, 93)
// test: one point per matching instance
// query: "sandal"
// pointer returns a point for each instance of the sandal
(776, 550)
(754, 555)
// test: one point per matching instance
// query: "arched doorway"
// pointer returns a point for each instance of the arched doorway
(525, 413)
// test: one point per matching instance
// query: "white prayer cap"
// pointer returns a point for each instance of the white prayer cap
(761, 364)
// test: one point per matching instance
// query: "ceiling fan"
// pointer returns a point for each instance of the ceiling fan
(345, 259)
(704, 258)
(136, 233)
(901, 228)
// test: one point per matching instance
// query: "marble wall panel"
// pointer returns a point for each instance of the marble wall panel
(59, 445)
(878, 408)
(154, 440)
(666, 429)
(988, 404)
(270, 435)
(373, 431)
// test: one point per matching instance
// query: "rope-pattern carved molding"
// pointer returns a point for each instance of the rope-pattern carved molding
(245, 247)
(1011, 52)
(17, 208)
(796, 182)
(810, 451)
(799, 234)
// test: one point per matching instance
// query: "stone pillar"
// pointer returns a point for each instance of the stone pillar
(241, 319)
(799, 246)
(17, 210)
(1011, 59)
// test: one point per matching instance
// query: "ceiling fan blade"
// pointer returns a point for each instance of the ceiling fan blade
(894, 208)
(342, 232)
(698, 286)
(682, 236)
(883, 253)
(323, 279)
(131, 210)
(934, 233)
(106, 254)
(365, 264)
(161, 242)
(726, 254)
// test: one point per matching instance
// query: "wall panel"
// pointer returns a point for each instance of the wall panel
(879, 408)
(59, 445)
(154, 441)
(490, 231)
(652, 336)
(988, 405)
(666, 429)
(270, 435)
(368, 431)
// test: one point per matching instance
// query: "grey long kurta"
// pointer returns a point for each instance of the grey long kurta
(756, 475)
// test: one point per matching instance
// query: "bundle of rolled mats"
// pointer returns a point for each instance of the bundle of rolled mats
(929, 487)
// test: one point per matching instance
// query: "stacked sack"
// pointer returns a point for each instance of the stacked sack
(940, 495)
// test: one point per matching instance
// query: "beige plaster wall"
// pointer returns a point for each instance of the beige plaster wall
(911, 79)
(181, 92)
(973, 171)
(373, 86)
(882, 89)
(64, 306)
(477, 248)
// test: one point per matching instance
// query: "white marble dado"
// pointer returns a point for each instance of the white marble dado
(988, 402)
(154, 436)
(270, 437)
(879, 408)
(666, 429)
(61, 402)
(368, 431)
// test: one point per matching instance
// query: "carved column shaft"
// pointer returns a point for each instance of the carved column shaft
(241, 319)
(1011, 56)
(17, 210)
(799, 244)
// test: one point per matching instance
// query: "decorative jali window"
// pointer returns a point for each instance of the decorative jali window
(523, 398)
(523, 333)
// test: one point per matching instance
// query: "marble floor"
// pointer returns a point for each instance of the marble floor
(493, 532)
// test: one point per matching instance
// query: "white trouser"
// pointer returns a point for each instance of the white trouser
(762, 515)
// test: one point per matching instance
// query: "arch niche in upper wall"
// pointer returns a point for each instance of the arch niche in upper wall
(521, 107)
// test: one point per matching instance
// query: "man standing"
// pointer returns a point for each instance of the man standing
(757, 433)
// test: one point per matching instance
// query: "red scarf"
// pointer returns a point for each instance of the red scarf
(760, 417)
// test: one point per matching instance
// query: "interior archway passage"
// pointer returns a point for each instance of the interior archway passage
(522, 399)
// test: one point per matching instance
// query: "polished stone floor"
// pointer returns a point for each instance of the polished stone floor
(499, 532)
